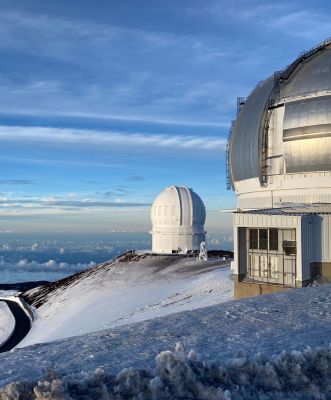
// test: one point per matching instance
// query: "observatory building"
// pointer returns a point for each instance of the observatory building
(279, 164)
(178, 217)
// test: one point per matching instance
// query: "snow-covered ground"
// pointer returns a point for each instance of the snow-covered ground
(119, 293)
(249, 349)
(7, 322)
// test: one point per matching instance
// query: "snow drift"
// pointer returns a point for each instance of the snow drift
(180, 375)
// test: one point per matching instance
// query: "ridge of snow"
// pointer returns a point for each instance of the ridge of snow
(128, 289)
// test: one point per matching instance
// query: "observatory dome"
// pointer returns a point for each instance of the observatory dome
(178, 216)
(279, 148)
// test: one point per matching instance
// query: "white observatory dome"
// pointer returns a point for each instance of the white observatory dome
(178, 217)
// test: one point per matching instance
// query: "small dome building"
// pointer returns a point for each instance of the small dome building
(178, 216)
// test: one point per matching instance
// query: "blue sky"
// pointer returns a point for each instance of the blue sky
(105, 103)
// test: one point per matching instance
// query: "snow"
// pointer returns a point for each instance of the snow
(170, 331)
(7, 293)
(131, 291)
(7, 322)
(177, 375)
(247, 349)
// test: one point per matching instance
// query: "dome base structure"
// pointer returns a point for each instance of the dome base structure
(163, 243)
(178, 216)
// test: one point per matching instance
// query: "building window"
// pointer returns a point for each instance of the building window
(263, 239)
(273, 239)
(253, 239)
(271, 255)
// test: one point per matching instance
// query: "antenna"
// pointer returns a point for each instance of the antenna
(203, 254)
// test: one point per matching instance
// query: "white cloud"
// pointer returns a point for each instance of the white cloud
(19, 28)
(305, 24)
(111, 138)
(48, 266)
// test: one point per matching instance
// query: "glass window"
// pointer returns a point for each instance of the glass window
(253, 239)
(263, 239)
(273, 239)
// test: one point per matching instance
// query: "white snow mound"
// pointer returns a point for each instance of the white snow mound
(128, 289)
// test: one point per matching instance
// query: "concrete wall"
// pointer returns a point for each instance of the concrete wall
(248, 289)
(321, 268)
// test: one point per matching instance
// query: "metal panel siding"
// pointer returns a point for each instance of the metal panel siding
(244, 146)
(308, 245)
(315, 241)
(242, 250)
(325, 228)
(298, 238)
(307, 135)
(313, 75)
(236, 252)
(185, 202)
(256, 220)
(308, 112)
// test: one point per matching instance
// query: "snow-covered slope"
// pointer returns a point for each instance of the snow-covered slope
(128, 289)
(249, 349)
(7, 322)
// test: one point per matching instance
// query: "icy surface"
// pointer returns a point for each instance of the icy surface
(7, 322)
(288, 321)
(7, 293)
(177, 375)
(124, 292)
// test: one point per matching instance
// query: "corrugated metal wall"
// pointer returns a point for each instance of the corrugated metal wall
(325, 237)
(316, 240)
(245, 144)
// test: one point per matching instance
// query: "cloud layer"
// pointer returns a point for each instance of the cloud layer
(24, 270)
(110, 138)
(65, 203)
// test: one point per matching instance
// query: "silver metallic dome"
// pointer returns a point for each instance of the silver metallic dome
(297, 98)
(283, 128)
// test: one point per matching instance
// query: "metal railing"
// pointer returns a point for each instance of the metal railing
(229, 183)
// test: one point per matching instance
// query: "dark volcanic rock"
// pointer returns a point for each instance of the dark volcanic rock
(22, 286)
